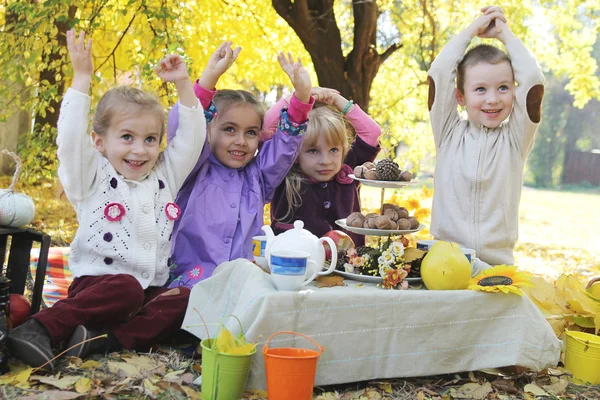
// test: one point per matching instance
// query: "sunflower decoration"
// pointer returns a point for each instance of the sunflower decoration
(501, 278)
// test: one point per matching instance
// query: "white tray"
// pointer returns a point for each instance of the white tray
(377, 232)
(370, 278)
(384, 184)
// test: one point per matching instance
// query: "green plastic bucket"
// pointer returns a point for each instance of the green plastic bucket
(224, 376)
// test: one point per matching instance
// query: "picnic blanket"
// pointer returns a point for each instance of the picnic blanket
(58, 274)
(371, 333)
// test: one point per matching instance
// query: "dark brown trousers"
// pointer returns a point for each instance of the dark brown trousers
(117, 304)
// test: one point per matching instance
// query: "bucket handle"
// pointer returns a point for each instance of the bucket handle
(266, 346)
(213, 344)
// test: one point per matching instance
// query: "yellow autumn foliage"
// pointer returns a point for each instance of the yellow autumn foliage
(565, 303)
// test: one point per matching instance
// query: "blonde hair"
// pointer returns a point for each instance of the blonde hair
(483, 53)
(324, 121)
(126, 99)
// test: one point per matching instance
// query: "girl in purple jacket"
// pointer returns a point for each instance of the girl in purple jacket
(223, 198)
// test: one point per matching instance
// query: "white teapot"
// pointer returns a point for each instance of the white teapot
(301, 239)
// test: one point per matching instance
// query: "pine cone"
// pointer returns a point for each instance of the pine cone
(387, 170)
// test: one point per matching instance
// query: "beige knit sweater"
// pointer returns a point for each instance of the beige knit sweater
(479, 171)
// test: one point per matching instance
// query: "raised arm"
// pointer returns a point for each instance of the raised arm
(279, 154)
(77, 158)
(183, 151)
(441, 78)
(204, 88)
(527, 110)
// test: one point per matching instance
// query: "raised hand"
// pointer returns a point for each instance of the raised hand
(485, 25)
(218, 63)
(80, 54)
(172, 68)
(298, 76)
(324, 95)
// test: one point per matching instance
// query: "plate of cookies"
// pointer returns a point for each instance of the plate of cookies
(377, 232)
(385, 174)
(393, 220)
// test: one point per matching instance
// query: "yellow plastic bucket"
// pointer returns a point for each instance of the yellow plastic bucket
(582, 358)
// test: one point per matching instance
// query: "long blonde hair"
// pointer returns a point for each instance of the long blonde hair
(325, 121)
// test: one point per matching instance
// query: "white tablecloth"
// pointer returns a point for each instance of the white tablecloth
(369, 332)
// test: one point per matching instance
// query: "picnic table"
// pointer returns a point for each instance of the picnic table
(369, 332)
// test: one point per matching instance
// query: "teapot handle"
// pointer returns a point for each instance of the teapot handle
(333, 248)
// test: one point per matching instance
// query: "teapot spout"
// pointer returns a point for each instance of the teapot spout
(269, 233)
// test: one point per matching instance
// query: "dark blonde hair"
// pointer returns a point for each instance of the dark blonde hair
(322, 121)
(126, 99)
(483, 53)
(226, 98)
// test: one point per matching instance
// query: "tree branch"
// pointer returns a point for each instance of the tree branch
(112, 53)
(388, 52)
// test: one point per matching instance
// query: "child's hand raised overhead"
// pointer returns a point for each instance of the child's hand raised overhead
(298, 76)
(219, 62)
(81, 60)
(172, 68)
(324, 95)
(485, 25)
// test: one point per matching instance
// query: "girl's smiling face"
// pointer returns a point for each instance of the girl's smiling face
(321, 160)
(131, 144)
(234, 135)
(489, 92)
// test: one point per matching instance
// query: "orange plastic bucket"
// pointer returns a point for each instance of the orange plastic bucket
(290, 372)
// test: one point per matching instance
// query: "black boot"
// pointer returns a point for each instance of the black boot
(97, 346)
(30, 343)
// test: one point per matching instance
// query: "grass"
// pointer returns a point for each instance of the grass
(559, 231)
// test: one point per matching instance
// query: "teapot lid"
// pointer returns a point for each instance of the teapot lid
(298, 224)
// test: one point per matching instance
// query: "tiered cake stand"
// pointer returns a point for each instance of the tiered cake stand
(377, 232)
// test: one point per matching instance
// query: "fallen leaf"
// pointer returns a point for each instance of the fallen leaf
(329, 281)
(90, 364)
(255, 394)
(536, 390)
(421, 396)
(386, 387)
(149, 388)
(328, 396)
(83, 385)
(173, 376)
(372, 393)
(124, 370)
(61, 383)
(472, 391)
(360, 285)
(145, 364)
(558, 387)
(19, 379)
(170, 385)
(505, 386)
(193, 394)
(52, 394)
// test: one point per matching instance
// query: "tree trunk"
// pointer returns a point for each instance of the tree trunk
(315, 24)
(50, 119)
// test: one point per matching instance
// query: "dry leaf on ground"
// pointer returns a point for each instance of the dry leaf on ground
(505, 386)
(472, 391)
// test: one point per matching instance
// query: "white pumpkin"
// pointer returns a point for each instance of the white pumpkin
(16, 209)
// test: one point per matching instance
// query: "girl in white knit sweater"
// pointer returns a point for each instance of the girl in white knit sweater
(123, 191)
